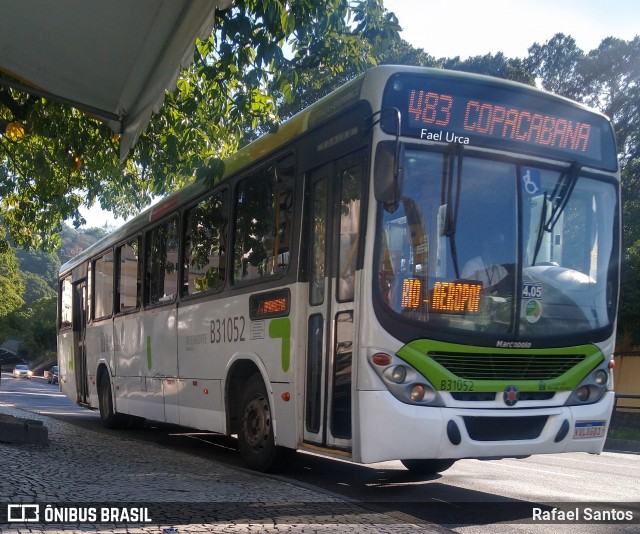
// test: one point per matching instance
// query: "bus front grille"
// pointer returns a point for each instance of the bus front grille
(507, 366)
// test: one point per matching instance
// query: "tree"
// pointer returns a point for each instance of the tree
(38, 332)
(35, 288)
(402, 53)
(11, 288)
(610, 74)
(54, 159)
(43, 264)
(497, 65)
(556, 64)
(11, 285)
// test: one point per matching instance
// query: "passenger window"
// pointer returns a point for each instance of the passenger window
(66, 300)
(161, 276)
(264, 204)
(205, 248)
(350, 202)
(129, 278)
(103, 286)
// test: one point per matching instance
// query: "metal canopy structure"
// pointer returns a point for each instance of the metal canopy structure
(113, 59)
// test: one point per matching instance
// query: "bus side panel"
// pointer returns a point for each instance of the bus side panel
(159, 366)
(100, 345)
(201, 366)
(127, 330)
(67, 375)
(213, 332)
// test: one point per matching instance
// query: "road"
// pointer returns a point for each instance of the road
(471, 497)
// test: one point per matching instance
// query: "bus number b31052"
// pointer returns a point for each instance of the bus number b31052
(228, 330)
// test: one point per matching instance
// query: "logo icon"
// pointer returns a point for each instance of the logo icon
(23, 513)
(511, 395)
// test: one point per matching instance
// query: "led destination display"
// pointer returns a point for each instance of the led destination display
(512, 118)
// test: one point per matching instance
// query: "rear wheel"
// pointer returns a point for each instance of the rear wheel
(427, 467)
(256, 439)
(110, 419)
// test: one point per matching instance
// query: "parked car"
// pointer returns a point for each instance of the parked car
(52, 377)
(22, 371)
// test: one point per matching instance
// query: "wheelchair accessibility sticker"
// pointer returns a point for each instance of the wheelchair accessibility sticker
(531, 181)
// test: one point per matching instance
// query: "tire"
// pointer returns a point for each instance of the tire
(427, 467)
(256, 440)
(110, 419)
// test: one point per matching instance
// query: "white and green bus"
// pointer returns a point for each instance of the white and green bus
(423, 266)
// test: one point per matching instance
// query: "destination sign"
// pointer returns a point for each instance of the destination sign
(456, 297)
(510, 117)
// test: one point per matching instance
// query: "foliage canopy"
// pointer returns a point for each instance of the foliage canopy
(54, 159)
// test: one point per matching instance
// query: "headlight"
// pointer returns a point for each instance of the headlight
(403, 381)
(592, 388)
(601, 377)
(399, 374)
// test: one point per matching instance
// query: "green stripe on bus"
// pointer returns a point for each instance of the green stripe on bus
(422, 355)
(149, 352)
(281, 328)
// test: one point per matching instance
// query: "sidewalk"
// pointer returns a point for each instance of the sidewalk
(81, 469)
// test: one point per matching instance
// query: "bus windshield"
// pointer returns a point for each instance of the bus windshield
(500, 249)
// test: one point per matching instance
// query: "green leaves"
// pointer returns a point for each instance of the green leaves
(65, 159)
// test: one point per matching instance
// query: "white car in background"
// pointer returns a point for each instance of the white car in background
(22, 371)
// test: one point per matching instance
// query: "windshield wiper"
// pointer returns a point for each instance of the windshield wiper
(447, 198)
(541, 226)
(559, 199)
(562, 193)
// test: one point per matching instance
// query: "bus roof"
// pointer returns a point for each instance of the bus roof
(329, 106)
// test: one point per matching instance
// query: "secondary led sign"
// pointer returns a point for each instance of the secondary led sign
(456, 297)
(269, 305)
(446, 297)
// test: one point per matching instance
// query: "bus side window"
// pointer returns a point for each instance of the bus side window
(264, 215)
(66, 300)
(103, 286)
(129, 277)
(350, 202)
(161, 276)
(205, 245)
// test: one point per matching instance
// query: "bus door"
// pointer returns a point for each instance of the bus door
(334, 201)
(79, 336)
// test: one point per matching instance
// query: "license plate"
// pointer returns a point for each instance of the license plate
(589, 429)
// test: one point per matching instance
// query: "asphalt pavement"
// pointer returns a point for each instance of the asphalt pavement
(86, 481)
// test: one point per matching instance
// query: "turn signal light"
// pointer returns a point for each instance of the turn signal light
(382, 359)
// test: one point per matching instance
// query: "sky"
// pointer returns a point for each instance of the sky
(477, 27)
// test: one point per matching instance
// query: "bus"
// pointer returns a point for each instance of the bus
(422, 266)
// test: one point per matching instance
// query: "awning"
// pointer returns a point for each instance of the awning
(111, 58)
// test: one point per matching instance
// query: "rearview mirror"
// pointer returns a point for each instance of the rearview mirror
(388, 173)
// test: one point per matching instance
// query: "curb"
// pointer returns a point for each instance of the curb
(19, 430)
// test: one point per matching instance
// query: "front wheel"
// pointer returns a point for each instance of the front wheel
(427, 467)
(256, 439)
